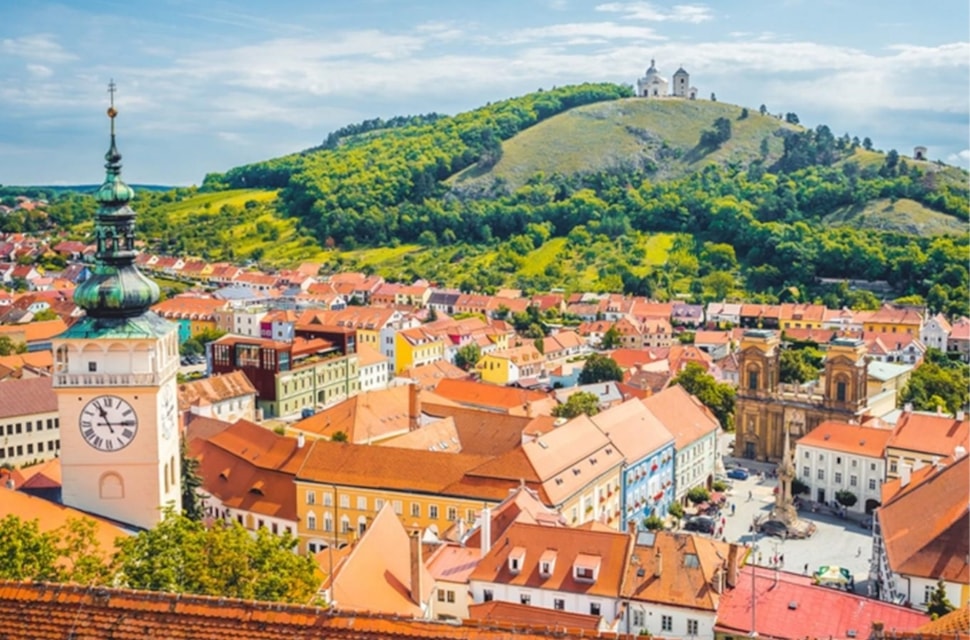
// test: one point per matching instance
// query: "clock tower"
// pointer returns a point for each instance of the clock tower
(115, 376)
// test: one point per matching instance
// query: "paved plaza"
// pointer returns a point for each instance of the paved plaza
(844, 543)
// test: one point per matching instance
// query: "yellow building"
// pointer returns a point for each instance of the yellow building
(510, 365)
(342, 486)
(415, 347)
(801, 316)
(890, 319)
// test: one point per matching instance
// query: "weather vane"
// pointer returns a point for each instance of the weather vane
(112, 112)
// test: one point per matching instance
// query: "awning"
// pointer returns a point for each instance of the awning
(832, 575)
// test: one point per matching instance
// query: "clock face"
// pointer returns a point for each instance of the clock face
(169, 417)
(108, 423)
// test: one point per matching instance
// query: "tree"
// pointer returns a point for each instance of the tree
(86, 562)
(939, 604)
(798, 487)
(713, 97)
(191, 483)
(867, 144)
(744, 113)
(698, 494)
(8, 346)
(763, 110)
(599, 368)
(578, 403)
(611, 338)
(468, 356)
(791, 118)
(797, 366)
(932, 386)
(676, 510)
(845, 498)
(716, 396)
(27, 553)
(653, 522)
(183, 556)
(339, 436)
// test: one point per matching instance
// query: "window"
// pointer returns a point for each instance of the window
(452, 514)
(892, 467)
(327, 499)
(838, 459)
(441, 595)
(92, 367)
(872, 484)
(361, 503)
(451, 596)
(311, 497)
(691, 627)
(558, 604)
(415, 510)
(838, 477)
(853, 480)
(525, 598)
(807, 455)
(398, 507)
(872, 466)
(854, 461)
(488, 595)
(433, 511)
(311, 521)
(345, 502)
(806, 472)
(639, 618)
(378, 504)
(840, 394)
(821, 456)
(821, 474)
(594, 608)
(666, 623)
(753, 380)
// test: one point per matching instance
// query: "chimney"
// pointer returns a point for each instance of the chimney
(486, 531)
(732, 565)
(903, 475)
(960, 416)
(416, 566)
(658, 568)
(414, 407)
(958, 452)
(300, 440)
(908, 407)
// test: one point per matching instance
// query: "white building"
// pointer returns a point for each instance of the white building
(838, 456)
(228, 397)
(29, 424)
(374, 368)
(935, 332)
(695, 431)
(654, 85)
(246, 321)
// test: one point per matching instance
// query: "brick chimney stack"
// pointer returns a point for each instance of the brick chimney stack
(414, 407)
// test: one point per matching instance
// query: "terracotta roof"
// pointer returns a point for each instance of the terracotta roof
(634, 430)
(955, 624)
(514, 613)
(931, 434)
(776, 618)
(376, 575)
(489, 395)
(688, 565)
(43, 475)
(453, 563)
(683, 415)
(481, 432)
(848, 438)
(43, 611)
(428, 375)
(27, 397)
(250, 468)
(960, 330)
(368, 355)
(610, 550)
(712, 337)
(214, 389)
(522, 504)
(935, 547)
(367, 417)
(37, 331)
(439, 435)
(354, 465)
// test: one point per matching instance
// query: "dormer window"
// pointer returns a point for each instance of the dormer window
(516, 560)
(547, 563)
(586, 568)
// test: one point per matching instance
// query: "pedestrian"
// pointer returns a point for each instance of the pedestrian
(749, 496)
(858, 552)
(759, 557)
(781, 559)
(805, 570)
(732, 508)
(723, 521)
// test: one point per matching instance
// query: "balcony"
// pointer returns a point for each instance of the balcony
(68, 380)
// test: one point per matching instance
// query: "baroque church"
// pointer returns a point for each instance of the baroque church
(654, 85)
(115, 376)
(766, 408)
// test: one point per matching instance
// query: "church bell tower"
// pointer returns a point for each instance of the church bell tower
(115, 376)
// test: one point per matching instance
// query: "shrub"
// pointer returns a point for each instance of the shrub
(698, 495)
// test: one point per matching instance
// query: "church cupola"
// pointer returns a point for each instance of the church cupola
(116, 289)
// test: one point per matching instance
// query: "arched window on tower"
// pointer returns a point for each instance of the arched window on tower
(111, 486)
(841, 390)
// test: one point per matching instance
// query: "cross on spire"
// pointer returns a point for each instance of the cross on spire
(112, 87)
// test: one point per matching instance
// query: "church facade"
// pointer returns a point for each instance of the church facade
(654, 85)
(766, 408)
(115, 377)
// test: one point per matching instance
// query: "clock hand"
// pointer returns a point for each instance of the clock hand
(104, 416)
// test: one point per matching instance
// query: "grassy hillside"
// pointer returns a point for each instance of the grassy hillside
(903, 216)
(632, 132)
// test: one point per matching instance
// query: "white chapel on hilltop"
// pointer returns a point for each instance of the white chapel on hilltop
(654, 85)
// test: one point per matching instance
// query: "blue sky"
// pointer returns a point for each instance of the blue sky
(205, 85)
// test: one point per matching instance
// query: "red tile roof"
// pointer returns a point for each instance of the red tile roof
(848, 438)
(43, 611)
(935, 547)
(790, 608)
(683, 415)
(931, 434)
(514, 613)
(26, 397)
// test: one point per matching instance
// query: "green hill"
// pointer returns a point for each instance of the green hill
(901, 216)
(627, 134)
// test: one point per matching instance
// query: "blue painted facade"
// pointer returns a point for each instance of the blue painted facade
(648, 485)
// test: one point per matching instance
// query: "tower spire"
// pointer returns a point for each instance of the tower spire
(117, 288)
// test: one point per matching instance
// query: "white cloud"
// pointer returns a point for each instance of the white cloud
(579, 33)
(41, 46)
(961, 158)
(649, 12)
(40, 71)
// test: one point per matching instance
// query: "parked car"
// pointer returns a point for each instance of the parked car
(703, 524)
(738, 473)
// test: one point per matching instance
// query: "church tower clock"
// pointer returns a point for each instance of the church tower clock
(115, 376)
